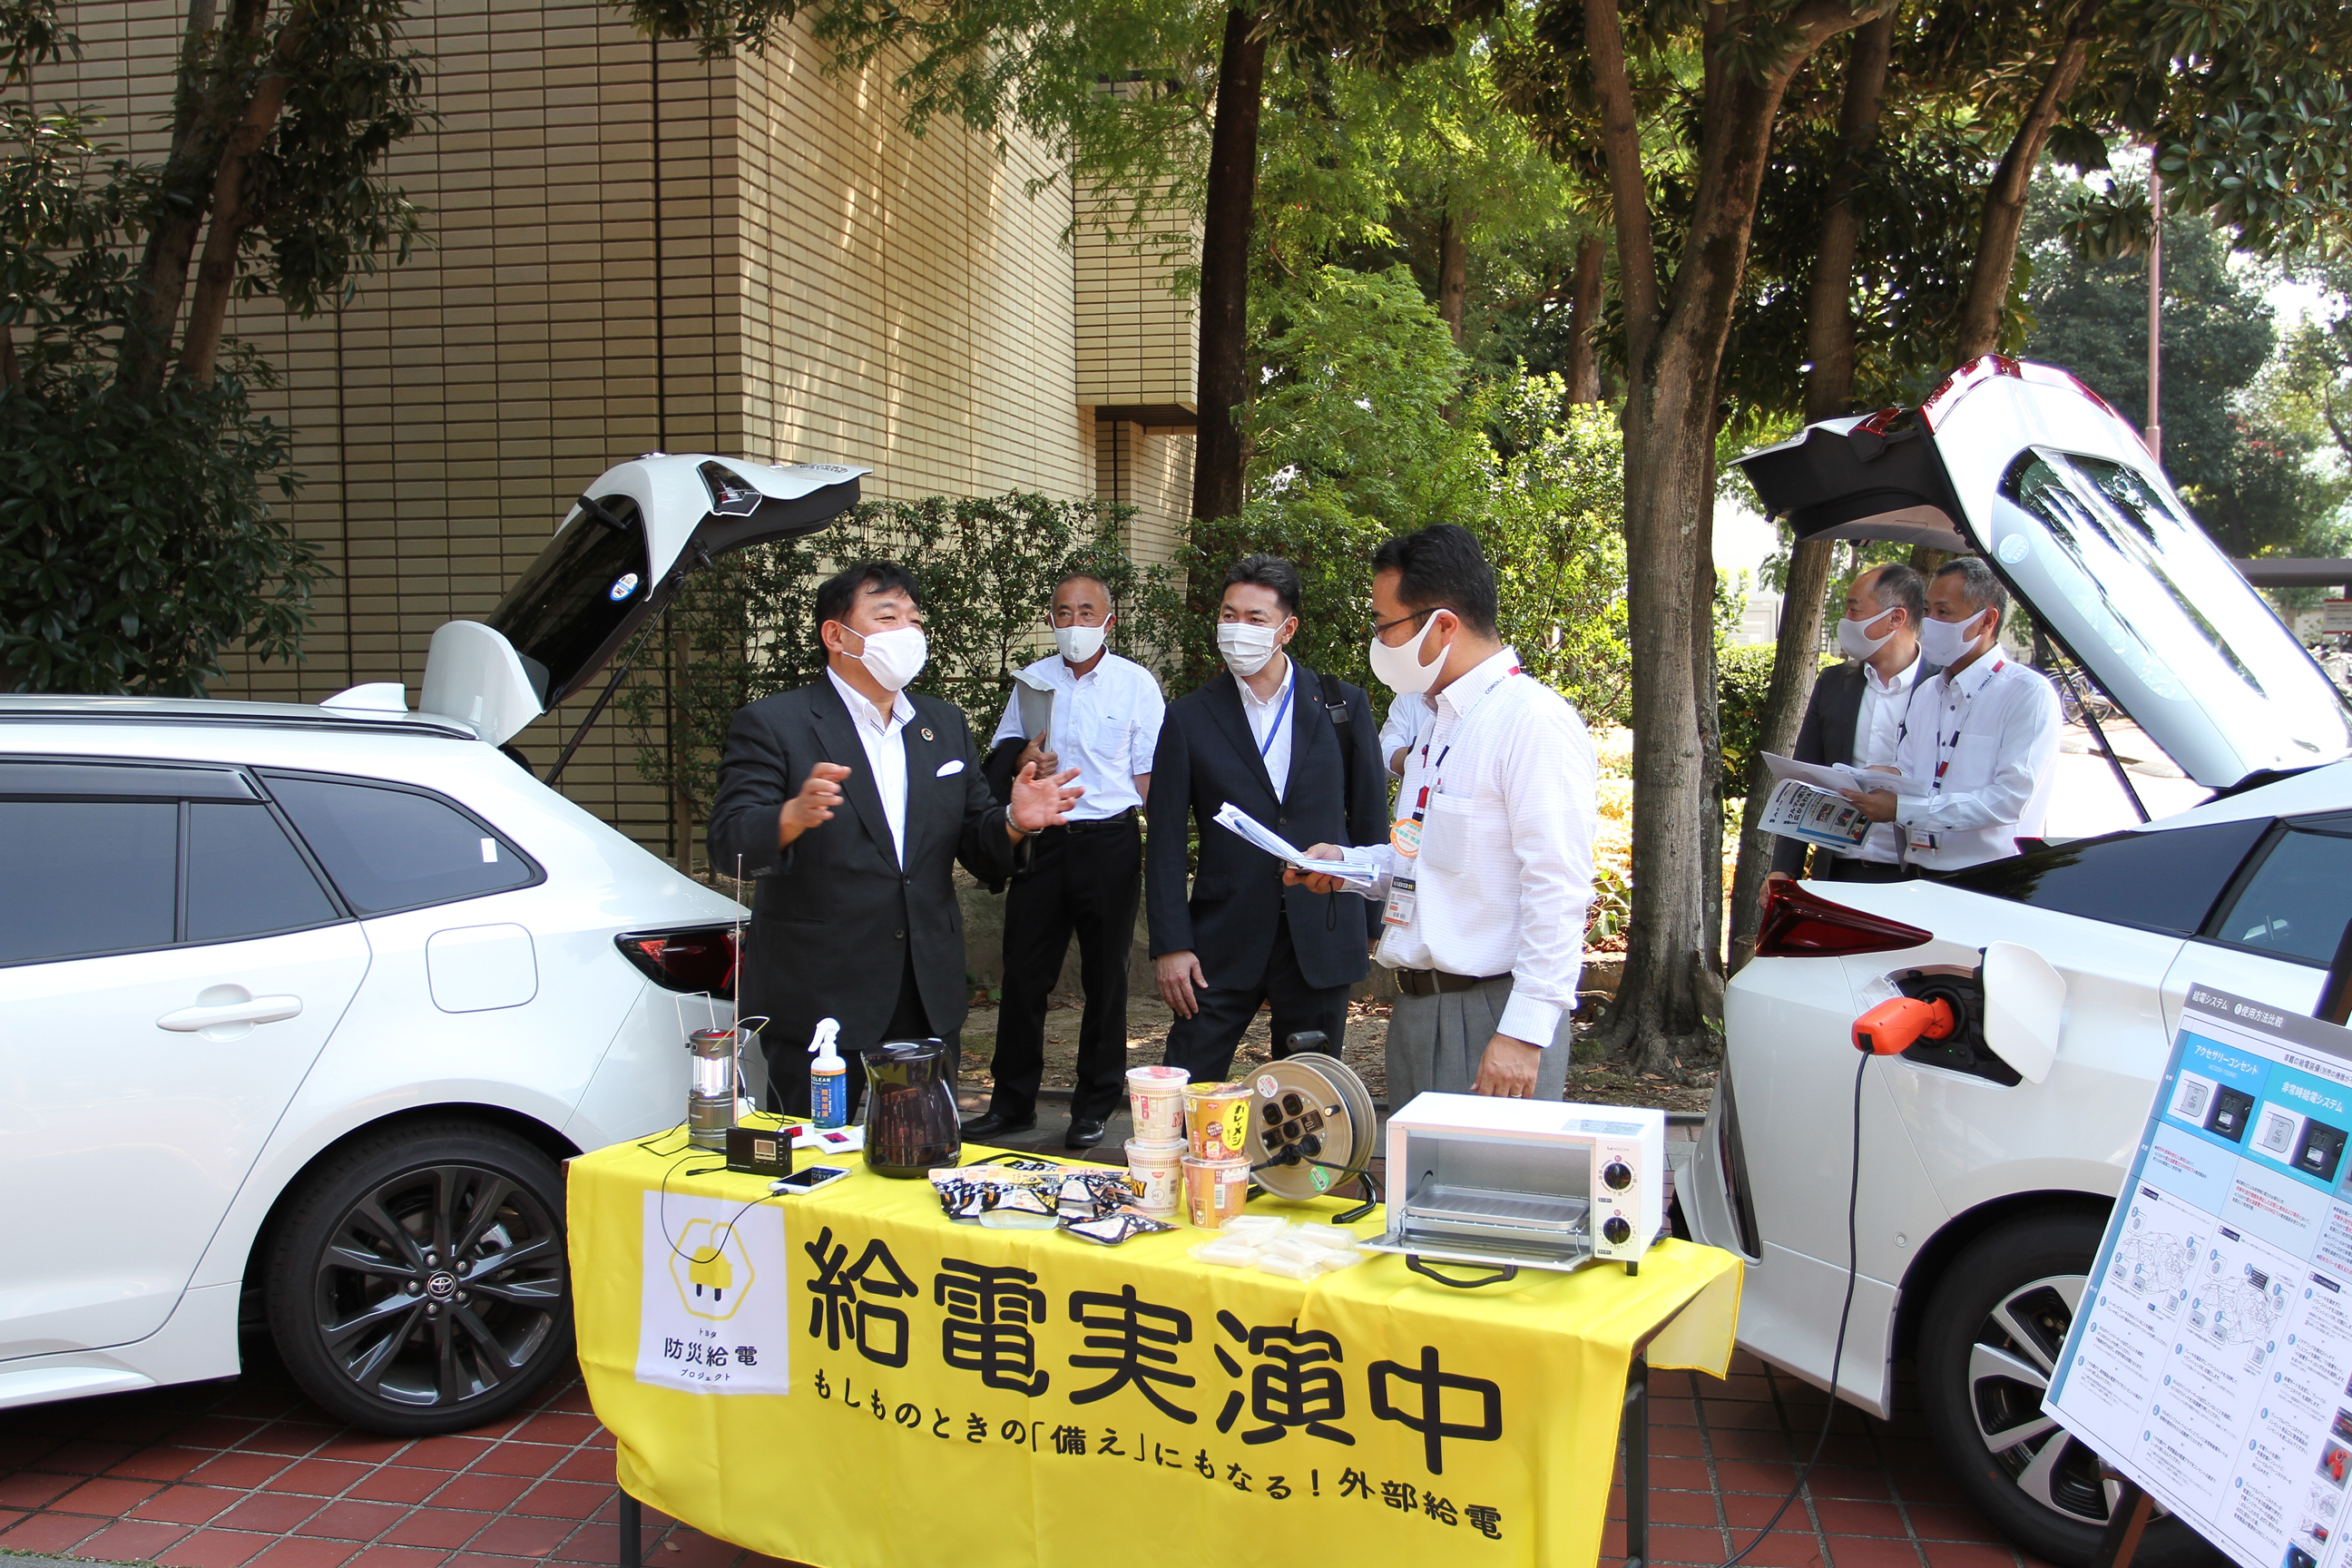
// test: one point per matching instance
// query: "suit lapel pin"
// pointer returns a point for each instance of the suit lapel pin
(927, 735)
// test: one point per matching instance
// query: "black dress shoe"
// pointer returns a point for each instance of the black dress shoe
(1083, 1134)
(993, 1124)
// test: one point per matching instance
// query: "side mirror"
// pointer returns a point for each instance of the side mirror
(2024, 1000)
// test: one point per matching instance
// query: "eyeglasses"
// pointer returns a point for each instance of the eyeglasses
(1380, 626)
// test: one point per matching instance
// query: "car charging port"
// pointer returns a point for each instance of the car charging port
(1961, 1048)
(1894, 1026)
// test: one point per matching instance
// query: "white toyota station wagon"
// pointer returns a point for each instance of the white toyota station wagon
(300, 1005)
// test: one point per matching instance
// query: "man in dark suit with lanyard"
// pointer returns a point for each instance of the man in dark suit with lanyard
(1299, 752)
(1857, 711)
(854, 914)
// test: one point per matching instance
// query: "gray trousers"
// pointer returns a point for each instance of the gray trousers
(1435, 1043)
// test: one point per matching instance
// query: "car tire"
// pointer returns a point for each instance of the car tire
(419, 1283)
(1986, 1347)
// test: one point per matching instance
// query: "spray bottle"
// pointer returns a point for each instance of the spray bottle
(828, 1077)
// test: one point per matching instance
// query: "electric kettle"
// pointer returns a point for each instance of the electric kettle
(911, 1121)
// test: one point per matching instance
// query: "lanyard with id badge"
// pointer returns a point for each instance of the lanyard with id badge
(1920, 838)
(1404, 834)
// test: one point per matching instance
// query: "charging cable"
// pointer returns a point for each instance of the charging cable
(1837, 1356)
(1888, 1029)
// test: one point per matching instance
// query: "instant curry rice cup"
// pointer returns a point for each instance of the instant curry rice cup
(1217, 1118)
(1156, 1095)
(1160, 1167)
(1214, 1190)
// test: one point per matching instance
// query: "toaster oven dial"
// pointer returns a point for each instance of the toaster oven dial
(1617, 1175)
(1617, 1230)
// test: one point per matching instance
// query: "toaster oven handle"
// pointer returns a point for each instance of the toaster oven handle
(1508, 1271)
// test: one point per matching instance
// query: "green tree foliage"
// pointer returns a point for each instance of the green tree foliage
(745, 626)
(2246, 477)
(137, 541)
(1370, 426)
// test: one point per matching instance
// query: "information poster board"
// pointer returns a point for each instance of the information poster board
(2211, 1357)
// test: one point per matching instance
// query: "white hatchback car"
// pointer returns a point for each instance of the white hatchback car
(299, 1006)
(1985, 1188)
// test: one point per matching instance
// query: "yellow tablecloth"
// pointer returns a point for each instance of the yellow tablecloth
(983, 1397)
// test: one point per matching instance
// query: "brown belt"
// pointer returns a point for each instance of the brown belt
(1437, 982)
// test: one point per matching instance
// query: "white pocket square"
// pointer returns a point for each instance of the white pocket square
(947, 769)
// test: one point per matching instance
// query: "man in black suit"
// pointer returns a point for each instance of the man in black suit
(1857, 710)
(1268, 736)
(856, 919)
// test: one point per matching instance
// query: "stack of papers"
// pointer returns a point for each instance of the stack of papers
(1842, 775)
(1352, 872)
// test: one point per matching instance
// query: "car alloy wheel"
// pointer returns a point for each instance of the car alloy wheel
(2010, 1363)
(1988, 1347)
(422, 1285)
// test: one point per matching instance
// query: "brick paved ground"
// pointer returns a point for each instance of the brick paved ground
(247, 1474)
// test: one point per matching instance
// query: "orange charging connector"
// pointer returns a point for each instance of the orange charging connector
(1893, 1027)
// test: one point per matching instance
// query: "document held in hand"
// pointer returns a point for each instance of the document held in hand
(1356, 874)
(1797, 810)
(1841, 775)
(1036, 699)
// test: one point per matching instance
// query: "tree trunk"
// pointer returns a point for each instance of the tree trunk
(1232, 196)
(205, 105)
(2004, 201)
(1584, 314)
(1829, 392)
(1707, 689)
(1669, 1000)
(224, 239)
(1453, 271)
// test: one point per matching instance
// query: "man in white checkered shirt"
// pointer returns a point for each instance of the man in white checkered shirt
(1488, 873)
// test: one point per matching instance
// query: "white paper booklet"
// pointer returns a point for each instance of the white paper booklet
(1842, 775)
(1797, 810)
(1036, 699)
(1355, 873)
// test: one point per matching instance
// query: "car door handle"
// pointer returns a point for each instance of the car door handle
(257, 1010)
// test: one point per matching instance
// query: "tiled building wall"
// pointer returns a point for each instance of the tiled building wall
(627, 247)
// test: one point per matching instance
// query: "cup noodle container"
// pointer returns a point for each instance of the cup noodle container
(1214, 1190)
(1156, 1095)
(1160, 1167)
(1217, 1118)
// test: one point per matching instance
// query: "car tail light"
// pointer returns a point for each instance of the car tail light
(1798, 924)
(692, 961)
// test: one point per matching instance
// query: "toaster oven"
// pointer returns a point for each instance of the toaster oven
(1514, 1183)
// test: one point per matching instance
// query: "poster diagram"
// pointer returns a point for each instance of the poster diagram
(711, 1297)
(2211, 1359)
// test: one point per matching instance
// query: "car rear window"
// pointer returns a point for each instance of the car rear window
(390, 849)
(86, 876)
(245, 877)
(2166, 881)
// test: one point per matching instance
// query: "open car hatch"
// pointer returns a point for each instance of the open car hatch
(2025, 466)
(615, 558)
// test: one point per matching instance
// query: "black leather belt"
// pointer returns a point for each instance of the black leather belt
(1125, 819)
(1437, 982)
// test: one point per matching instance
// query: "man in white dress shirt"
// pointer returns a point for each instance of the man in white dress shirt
(1983, 735)
(1856, 712)
(1084, 874)
(1488, 872)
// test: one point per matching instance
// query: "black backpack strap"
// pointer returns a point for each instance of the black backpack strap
(1335, 703)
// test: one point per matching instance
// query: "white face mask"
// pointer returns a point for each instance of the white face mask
(1947, 642)
(1246, 647)
(1401, 669)
(896, 657)
(1079, 643)
(1854, 640)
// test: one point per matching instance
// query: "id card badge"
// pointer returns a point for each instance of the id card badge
(1404, 835)
(1401, 899)
(1922, 839)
